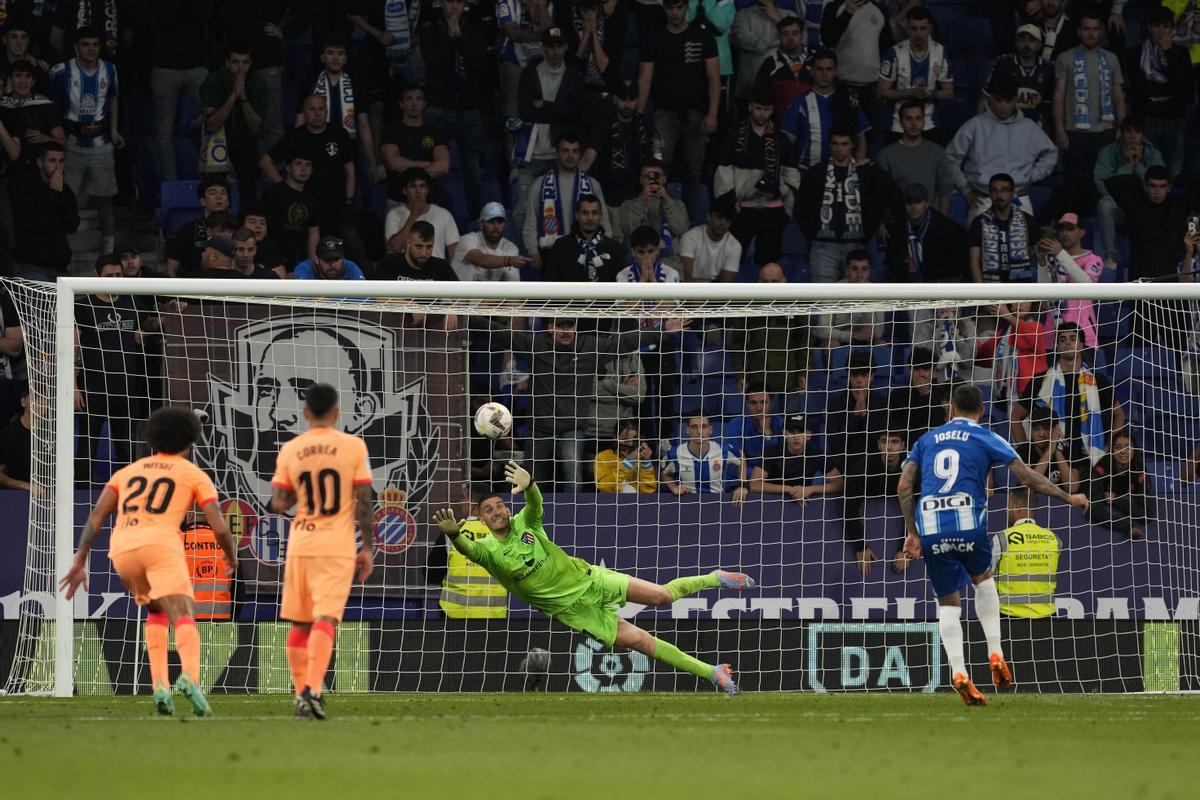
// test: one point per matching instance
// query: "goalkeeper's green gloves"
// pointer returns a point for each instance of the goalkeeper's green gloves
(446, 522)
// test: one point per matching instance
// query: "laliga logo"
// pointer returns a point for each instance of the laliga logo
(615, 673)
(395, 528)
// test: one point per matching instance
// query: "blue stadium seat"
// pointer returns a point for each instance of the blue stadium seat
(177, 205)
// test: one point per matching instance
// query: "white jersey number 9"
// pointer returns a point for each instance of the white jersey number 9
(945, 466)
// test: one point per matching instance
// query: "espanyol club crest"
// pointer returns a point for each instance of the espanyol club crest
(527, 538)
(395, 528)
(242, 520)
(269, 542)
(597, 671)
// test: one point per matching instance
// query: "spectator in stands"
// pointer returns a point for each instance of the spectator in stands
(74, 19)
(1161, 82)
(680, 71)
(235, 101)
(18, 46)
(346, 106)
(254, 217)
(814, 114)
(1059, 33)
(550, 103)
(216, 258)
(755, 36)
(1157, 221)
(628, 467)
(913, 159)
(792, 467)
(412, 142)
(857, 327)
(44, 215)
(756, 165)
(260, 26)
(1017, 349)
(417, 261)
(914, 406)
(455, 49)
(552, 201)
(619, 144)
(385, 55)
(758, 428)
(1078, 395)
(485, 255)
(710, 252)
(841, 205)
(852, 413)
(595, 31)
(131, 259)
(926, 246)
(10, 151)
(416, 207)
(521, 23)
(1002, 238)
(1067, 261)
(1118, 489)
(218, 223)
(874, 476)
(30, 116)
(1047, 453)
(178, 57)
(856, 30)
(700, 465)
(293, 212)
(111, 380)
(586, 253)
(620, 392)
(1032, 73)
(86, 88)
(12, 362)
(329, 263)
(245, 256)
(769, 351)
(916, 69)
(213, 193)
(333, 181)
(646, 245)
(1086, 116)
(784, 73)
(16, 445)
(1129, 155)
(999, 140)
(655, 208)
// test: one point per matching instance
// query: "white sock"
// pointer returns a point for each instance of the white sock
(950, 625)
(987, 606)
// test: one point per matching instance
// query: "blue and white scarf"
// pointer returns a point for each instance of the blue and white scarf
(399, 18)
(339, 102)
(1010, 263)
(551, 224)
(1082, 94)
(1091, 419)
(916, 248)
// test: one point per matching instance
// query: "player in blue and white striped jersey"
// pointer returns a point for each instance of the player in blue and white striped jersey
(703, 466)
(949, 528)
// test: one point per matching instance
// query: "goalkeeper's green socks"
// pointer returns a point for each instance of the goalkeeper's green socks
(672, 655)
(682, 587)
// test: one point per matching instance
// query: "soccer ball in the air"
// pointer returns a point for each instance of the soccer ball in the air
(493, 420)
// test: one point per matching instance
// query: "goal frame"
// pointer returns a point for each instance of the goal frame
(915, 295)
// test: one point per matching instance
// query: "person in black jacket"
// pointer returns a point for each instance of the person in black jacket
(586, 253)
(1160, 75)
(841, 205)
(455, 53)
(925, 246)
(873, 477)
(1157, 221)
(1118, 489)
(44, 214)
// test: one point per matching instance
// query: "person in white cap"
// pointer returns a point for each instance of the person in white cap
(485, 255)
(1030, 71)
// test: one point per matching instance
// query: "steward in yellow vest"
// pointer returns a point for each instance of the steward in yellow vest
(1027, 572)
(469, 591)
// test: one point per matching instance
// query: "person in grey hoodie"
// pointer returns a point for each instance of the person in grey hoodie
(999, 140)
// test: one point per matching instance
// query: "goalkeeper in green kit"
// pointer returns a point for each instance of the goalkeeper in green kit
(522, 558)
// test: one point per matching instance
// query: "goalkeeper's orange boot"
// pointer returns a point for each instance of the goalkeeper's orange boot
(722, 676)
(1001, 676)
(734, 580)
(967, 691)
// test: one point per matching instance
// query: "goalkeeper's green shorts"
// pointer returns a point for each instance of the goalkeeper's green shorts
(595, 612)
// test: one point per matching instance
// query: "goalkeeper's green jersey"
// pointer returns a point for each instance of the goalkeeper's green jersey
(528, 564)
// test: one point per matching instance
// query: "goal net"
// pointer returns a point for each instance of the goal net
(674, 430)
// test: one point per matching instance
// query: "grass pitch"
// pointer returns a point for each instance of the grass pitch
(575, 746)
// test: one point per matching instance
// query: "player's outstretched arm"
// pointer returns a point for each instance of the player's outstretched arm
(216, 521)
(1043, 485)
(908, 507)
(448, 524)
(522, 481)
(77, 575)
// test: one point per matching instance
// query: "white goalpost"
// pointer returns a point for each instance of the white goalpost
(607, 393)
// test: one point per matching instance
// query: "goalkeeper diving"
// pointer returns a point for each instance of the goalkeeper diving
(520, 555)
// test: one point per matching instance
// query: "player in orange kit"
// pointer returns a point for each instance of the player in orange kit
(151, 497)
(324, 473)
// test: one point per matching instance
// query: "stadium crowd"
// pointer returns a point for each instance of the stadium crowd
(638, 141)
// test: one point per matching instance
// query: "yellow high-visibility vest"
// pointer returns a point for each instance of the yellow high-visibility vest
(1027, 574)
(469, 591)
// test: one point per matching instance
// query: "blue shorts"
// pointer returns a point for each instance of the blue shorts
(954, 557)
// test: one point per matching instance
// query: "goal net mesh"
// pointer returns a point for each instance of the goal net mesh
(765, 437)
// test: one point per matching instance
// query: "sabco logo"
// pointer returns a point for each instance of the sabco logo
(614, 672)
